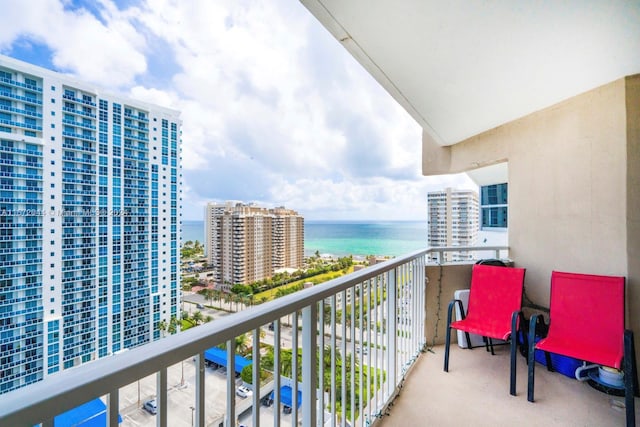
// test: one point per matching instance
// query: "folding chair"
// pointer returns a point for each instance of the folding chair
(495, 300)
(586, 322)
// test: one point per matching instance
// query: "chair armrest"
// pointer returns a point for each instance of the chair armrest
(450, 310)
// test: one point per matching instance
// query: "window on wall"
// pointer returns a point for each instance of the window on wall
(494, 205)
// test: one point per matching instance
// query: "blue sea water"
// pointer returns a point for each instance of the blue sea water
(193, 230)
(339, 238)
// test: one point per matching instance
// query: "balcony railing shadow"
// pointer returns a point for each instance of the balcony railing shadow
(351, 342)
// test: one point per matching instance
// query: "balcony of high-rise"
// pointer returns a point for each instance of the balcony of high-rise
(548, 101)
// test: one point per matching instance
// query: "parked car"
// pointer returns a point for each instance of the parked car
(200, 306)
(150, 406)
(243, 392)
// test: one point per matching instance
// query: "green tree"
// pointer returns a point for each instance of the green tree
(208, 294)
(173, 325)
(197, 317)
(185, 316)
(162, 327)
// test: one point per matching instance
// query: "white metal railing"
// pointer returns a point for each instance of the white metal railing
(351, 340)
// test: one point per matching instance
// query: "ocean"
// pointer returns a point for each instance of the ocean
(339, 238)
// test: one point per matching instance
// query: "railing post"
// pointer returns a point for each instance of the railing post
(309, 365)
(321, 400)
(255, 412)
(276, 372)
(294, 369)
(395, 280)
(112, 408)
(231, 384)
(161, 397)
(200, 387)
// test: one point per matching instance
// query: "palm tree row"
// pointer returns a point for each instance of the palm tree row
(226, 298)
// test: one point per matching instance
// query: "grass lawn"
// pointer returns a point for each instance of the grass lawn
(186, 325)
(321, 278)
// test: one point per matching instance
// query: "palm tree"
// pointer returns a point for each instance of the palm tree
(217, 295)
(242, 343)
(162, 327)
(173, 325)
(197, 317)
(184, 315)
(227, 299)
(237, 299)
(208, 294)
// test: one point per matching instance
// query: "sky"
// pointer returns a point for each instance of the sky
(274, 110)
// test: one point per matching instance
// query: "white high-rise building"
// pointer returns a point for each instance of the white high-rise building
(89, 222)
(453, 221)
(245, 243)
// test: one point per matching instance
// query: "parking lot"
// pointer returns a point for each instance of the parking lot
(180, 397)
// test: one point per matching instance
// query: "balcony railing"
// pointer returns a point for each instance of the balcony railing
(352, 341)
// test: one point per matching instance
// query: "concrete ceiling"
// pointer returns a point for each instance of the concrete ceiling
(461, 67)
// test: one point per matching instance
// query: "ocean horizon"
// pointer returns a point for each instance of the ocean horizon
(347, 237)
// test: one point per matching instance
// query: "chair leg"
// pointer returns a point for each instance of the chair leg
(446, 349)
(531, 358)
(447, 339)
(490, 341)
(630, 378)
(547, 358)
(468, 338)
(514, 343)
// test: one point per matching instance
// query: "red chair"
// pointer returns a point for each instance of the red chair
(495, 300)
(586, 322)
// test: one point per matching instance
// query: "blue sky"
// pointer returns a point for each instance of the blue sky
(274, 110)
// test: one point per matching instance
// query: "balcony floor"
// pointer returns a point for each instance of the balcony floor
(475, 392)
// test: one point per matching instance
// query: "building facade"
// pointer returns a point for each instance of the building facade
(494, 206)
(453, 221)
(89, 222)
(245, 243)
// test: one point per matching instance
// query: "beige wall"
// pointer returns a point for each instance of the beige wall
(442, 282)
(633, 205)
(574, 186)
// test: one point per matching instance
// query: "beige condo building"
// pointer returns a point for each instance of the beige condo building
(245, 242)
(453, 221)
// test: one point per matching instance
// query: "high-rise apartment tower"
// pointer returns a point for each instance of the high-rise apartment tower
(245, 243)
(453, 221)
(89, 222)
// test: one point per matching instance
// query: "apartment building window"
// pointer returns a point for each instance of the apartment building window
(494, 206)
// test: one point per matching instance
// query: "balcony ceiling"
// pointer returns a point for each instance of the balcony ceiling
(463, 67)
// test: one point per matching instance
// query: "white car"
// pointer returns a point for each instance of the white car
(243, 392)
(150, 406)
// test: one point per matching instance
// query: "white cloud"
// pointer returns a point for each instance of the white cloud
(83, 45)
(274, 109)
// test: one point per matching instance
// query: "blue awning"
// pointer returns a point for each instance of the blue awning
(286, 394)
(219, 357)
(90, 414)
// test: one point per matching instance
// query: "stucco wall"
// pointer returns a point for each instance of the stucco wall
(442, 282)
(574, 186)
(633, 205)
